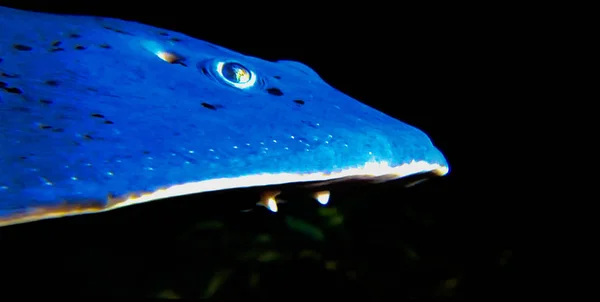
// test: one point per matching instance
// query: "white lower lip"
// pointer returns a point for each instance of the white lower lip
(372, 169)
(369, 170)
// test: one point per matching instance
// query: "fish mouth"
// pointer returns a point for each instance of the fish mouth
(372, 172)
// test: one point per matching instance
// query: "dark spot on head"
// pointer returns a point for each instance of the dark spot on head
(22, 47)
(52, 83)
(58, 130)
(209, 106)
(46, 101)
(117, 30)
(146, 152)
(14, 90)
(277, 77)
(310, 124)
(6, 75)
(55, 49)
(275, 91)
(105, 46)
(56, 43)
(2, 84)
(74, 36)
(98, 115)
(122, 32)
(108, 122)
(20, 109)
(79, 47)
(87, 136)
(42, 126)
(299, 102)
(175, 39)
(163, 33)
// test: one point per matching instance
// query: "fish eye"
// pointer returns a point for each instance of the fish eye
(236, 74)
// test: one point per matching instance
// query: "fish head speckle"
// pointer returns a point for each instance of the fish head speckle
(95, 107)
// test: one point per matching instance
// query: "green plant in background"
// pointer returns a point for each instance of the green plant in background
(241, 254)
(305, 246)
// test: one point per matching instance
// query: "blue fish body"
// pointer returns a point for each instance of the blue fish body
(99, 113)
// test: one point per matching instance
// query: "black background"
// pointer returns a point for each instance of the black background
(455, 82)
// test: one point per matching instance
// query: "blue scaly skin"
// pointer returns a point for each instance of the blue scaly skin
(99, 113)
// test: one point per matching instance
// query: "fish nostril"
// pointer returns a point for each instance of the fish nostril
(274, 91)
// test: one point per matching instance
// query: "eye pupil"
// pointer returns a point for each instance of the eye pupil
(236, 73)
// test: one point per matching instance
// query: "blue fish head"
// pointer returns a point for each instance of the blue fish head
(100, 113)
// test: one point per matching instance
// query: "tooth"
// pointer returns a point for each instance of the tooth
(322, 197)
(268, 201)
(272, 205)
